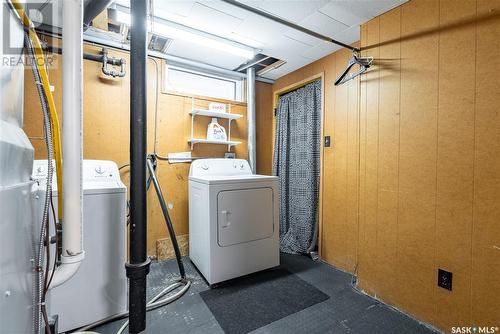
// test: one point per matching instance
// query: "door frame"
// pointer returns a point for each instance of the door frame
(287, 89)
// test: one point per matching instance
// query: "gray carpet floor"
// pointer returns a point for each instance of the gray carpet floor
(346, 311)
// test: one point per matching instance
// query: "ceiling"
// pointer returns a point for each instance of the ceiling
(338, 19)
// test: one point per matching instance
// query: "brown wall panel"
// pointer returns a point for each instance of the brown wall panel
(368, 228)
(264, 127)
(389, 63)
(417, 159)
(486, 224)
(455, 160)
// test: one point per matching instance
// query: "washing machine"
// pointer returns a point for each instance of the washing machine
(233, 219)
(99, 287)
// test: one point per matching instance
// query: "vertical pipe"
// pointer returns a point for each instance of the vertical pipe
(72, 125)
(72, 142)
(138, 266)
(251, 119)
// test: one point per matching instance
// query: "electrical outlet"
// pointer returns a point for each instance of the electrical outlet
(327, 141)
(445, 279)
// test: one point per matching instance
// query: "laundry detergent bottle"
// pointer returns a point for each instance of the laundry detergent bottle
(215, 131)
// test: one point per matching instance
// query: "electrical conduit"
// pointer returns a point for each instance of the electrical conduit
(40, 64)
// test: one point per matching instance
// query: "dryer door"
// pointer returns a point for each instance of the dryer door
(244, 215)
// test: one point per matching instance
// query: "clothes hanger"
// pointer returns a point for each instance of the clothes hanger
(356, 59)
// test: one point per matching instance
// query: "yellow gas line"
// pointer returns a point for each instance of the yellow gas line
(40, 63)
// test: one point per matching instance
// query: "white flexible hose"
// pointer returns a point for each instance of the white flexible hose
(154, 303)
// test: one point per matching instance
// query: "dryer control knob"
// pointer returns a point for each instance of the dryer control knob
(204, 166)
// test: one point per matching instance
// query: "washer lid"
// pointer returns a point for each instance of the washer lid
(222, 179)
(98, 176)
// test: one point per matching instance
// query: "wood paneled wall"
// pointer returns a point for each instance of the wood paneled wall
(264, 127)
(106, 135)
(412, 182)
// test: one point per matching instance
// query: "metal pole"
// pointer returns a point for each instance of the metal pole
(289, 24)
(168, 221)
(251, 119)
(138, 266)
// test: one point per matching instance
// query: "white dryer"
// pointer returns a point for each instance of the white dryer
(233, 219)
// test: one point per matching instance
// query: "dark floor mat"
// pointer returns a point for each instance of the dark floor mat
(254, 301)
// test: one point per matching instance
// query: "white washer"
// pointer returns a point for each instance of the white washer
(233, 219)
(99, 287)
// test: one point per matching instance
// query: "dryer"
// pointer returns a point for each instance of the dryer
(233, 219)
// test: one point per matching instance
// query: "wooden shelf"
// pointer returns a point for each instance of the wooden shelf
(204, 112)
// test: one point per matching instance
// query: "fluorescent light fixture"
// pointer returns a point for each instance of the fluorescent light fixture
(177, 31)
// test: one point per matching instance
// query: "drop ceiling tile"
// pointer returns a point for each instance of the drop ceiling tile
(346, 12)
(246, 40)
(176, 7)
(261, 29)
(349, 35)
(357, 12)
(228, 8)
(292, 10)
(285, 48)
(323, 24)
(212, 20)
(319, 51)
(302, 37)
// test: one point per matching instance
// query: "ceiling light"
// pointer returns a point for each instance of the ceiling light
(177, 31)
(190, 36)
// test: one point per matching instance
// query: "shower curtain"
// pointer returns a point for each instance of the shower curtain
(297, 164)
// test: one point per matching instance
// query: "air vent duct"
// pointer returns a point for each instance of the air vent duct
(158, 43)
(261, 63)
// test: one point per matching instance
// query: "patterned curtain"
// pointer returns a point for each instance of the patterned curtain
(297, 164)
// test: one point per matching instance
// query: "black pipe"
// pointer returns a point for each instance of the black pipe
(138, 266)
(289, 24)
(92, 9)
(90, 56)
(168, 221)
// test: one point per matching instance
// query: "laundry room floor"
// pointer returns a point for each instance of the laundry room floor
(338, 308)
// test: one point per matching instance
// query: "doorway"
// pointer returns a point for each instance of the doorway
(297, 163)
